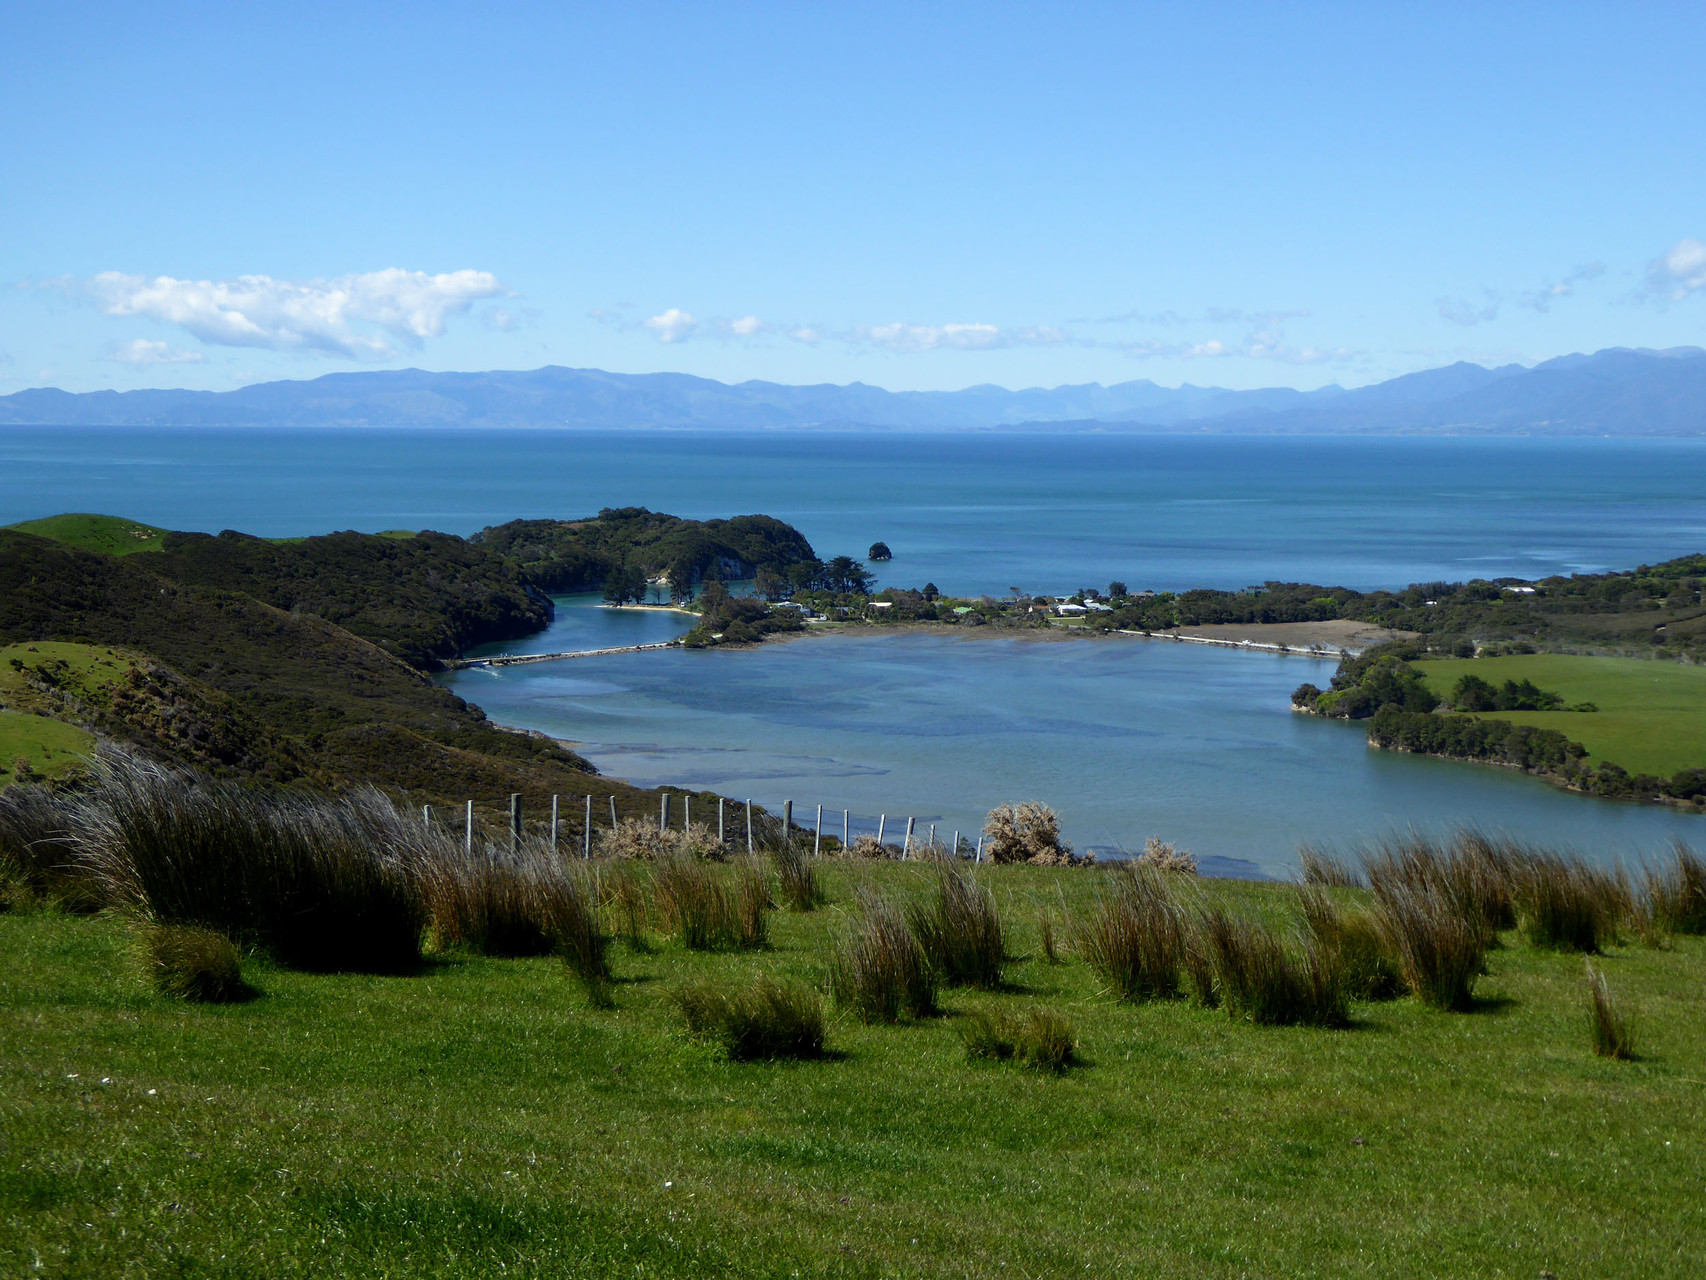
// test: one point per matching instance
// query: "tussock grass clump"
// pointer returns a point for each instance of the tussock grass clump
(698, 903)
(879, 971)
(1675, 895)
(1564, 906)
(325, 884)
(1440, 951)
(960, 931)
(1161, 856)
(763, 1022)
(38, 855)
(1611, 1030)
(1360, 947)
(1260, 979)
(1027, 832)
(622, 892)
(1047, 942)
(1324, 869)
(585, 946)
(504, 902)
(1134, 937)
(193, 964)
(1040, 1038)
(797, 878)
(1473, 877)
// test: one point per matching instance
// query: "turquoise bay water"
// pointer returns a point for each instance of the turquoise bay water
(1125, 737)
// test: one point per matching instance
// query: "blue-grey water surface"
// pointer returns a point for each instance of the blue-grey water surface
(1126, 738)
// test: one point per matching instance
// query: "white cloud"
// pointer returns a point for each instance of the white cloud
(746, 326)
(674, 325)
(143, 351)
(953, 337)
(396, 309)
(1460, 311)
(1680, 272)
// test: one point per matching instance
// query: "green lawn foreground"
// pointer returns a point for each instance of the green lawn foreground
(479, 1117)
(1651, 717)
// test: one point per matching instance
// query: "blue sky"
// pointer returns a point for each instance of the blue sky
(917, 196)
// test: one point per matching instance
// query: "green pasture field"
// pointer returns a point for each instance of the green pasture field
(52, 747)
(478, 1118)
(1651, 717)
(110, 535)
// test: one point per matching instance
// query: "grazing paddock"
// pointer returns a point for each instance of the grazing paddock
(479, 1113)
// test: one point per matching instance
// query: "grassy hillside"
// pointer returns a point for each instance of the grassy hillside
(49, 748)
(478, 1117)
(109, 535)
(1651, 717)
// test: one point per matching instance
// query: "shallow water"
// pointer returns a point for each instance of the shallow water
(1125, 737)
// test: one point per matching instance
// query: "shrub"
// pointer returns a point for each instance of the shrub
(1166, 857)
(797, 878)
(1610, 1029)
(1027, 832)
(38, 850)
(1041, 1038)
(1440, 952)
(642, 840)
(763, 1022)
(959, 930)
(1260, 979)
(866, 846)
(879, 971)
(193, 964)
(326, 884)
(1322, 868)
(1564, 906)
(1134, 936)
(1357, 943)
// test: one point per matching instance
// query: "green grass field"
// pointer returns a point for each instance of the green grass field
(52, 747)
(110, 535)
(1651, 717)
(478, 1118)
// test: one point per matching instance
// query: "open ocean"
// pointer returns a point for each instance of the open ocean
(1125, 738)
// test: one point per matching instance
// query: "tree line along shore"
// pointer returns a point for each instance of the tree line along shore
(307, 661)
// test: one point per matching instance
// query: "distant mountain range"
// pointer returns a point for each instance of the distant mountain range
(1617, 392)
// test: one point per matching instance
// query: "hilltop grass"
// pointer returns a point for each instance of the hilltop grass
(479, 1116)
(52, 747)
(1651, 717)
(109, 535)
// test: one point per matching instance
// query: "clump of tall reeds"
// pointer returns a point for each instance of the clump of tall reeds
(1047, 941)
(764, 1021)
(1263, 980)
(960, 930)
(1473, 877)
(38, 856)
(1028, 832)
(1160, 856)
(700, 904)
(797, 878)
(323, 883)
(1675, 895)
(190, 963)
(1361, 949)
(1611, 1030)
(1564, 906)
(1440, 950)
(1134, 936)
(1040, 1038)
(622, 893)
(878, 970)
(1327, 870)
(504, 902)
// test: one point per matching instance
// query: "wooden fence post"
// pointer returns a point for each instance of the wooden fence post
(979, 857)
(613, 813)
(844, 828)
(468, 834)
(749, 827)
(426, 816)
(722, 838)
(663, 812)
(882, 822)
(515, 822)
(906, 848)
(586, 832)
(686, 813)
(554, 823)
(817, 840)
(788, 825)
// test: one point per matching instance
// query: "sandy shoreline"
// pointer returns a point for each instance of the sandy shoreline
(1325, 638)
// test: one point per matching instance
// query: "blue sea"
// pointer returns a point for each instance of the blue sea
(1126, 738)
